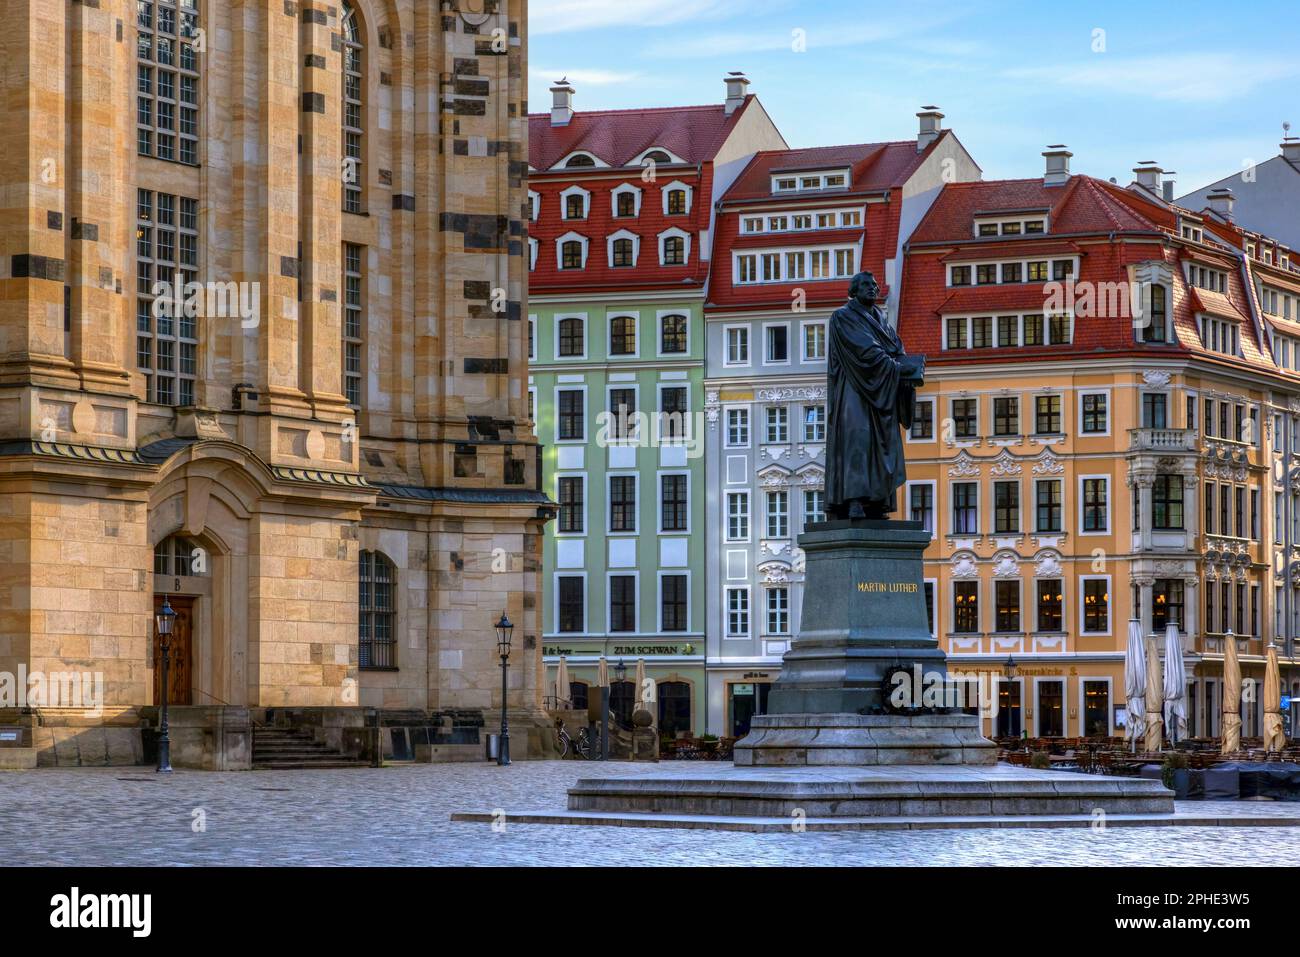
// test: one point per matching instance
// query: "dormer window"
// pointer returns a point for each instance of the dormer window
(809, 181)
(674, 247)
(575, 202)
(676, 199)
(626, 200)
(534, 205)
(571, 251)
(988, 229)
(1003, 225)
(623, 249)
(1194, 233)
(579, 161)
(656, 156)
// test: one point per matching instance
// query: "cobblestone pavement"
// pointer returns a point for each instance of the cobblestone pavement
(399, 816)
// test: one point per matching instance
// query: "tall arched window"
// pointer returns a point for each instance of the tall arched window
(377, 640)
(353, 109)
(571, 338)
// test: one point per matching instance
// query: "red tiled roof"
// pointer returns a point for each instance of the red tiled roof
(1216, 304)
(875, 166)
(976, 250)
(1028, 297)
(1079, 205)
(617, 137)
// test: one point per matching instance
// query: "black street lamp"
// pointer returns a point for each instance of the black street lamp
(504, 629)
(1010, 669)
(166, 619)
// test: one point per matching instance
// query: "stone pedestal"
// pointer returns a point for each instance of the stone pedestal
(781, 740)
(863, 614)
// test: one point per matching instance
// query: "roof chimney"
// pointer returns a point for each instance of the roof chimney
(1148, 176)
(1221, 201)
(1291, 150)
(931, 126)
(1058, 165)
(1168, 185)
(561, 103)
(736, 83)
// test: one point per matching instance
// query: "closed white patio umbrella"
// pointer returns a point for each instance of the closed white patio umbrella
(1230, 721)
(1155, 699)
(1274, 736)
(1175, 687)
(1135, 684)
(563, 690)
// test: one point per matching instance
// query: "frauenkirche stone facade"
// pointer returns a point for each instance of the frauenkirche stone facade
(323, 457)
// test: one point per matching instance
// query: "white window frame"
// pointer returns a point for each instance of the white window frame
(636, 201)
(1105, 477)
(609, 502)
(662, 314)
(534, 205)
(670, 187)
(610, 316)
(789, 612)
(784, 409)
(934, 503)
(575, 190)
(586, 411)
(1110, 412)
(659, 600)
(958, 440)
(1065, 705)
(1110, 606)
(804, 326)
(586, 504)
(686, 245)
(555, 336)
(586, 602)
(688, 431)
(952, 505)
(768, 514)
(1110, 702)
(609, 248)
(534, 246)
(726, 426)
(748, 592)
(749, 515)
(559, 250)
(532, 337)
(726, 345)
(690, 500)
(788, 350)
(635, 575)
(636, 393)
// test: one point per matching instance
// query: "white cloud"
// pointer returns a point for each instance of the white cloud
(1182, 77)
(567, 16)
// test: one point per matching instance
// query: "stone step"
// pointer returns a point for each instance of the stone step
(761, 825)
(876, 797)
(339, 762)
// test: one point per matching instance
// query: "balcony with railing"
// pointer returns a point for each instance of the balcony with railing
(1163, 440)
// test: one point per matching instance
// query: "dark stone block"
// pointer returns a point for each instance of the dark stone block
(404, 201)
(288, 267)
(86, 231)
(313, 102)
(472, 86)
(54, 219)
(487, 366)
(329, 295)
(464, 66)
(315, 61)
(313, 16)
(477, 289)
(462, 107)
(27, 266)
(460, 147)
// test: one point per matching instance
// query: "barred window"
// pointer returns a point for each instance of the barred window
(353, 322)
(166, 316)
(167, 127)
(377, 641)
(353, 110)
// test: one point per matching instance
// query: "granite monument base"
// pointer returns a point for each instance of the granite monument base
(783, 740)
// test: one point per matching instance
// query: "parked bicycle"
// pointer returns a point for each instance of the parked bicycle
(565, 744)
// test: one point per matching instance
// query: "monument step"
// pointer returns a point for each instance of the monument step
(786, 825)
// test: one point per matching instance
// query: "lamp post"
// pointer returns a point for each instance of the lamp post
(1010, 669)
(504, 629)
(165, 619)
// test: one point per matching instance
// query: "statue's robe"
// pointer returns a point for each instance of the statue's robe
(867, 404)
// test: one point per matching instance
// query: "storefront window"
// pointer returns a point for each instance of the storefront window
(578, 695)
(1009, 725)
(1051, 709)
(674, 707)
(622, 695)
(745, 701)
(1096, 708)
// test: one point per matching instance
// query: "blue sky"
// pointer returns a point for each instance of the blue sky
(1201, 88)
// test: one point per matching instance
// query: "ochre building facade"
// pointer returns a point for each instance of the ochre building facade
(320, 453)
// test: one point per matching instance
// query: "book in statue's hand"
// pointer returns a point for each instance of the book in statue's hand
(912, 368)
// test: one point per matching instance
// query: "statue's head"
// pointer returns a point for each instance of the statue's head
(863, 288)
